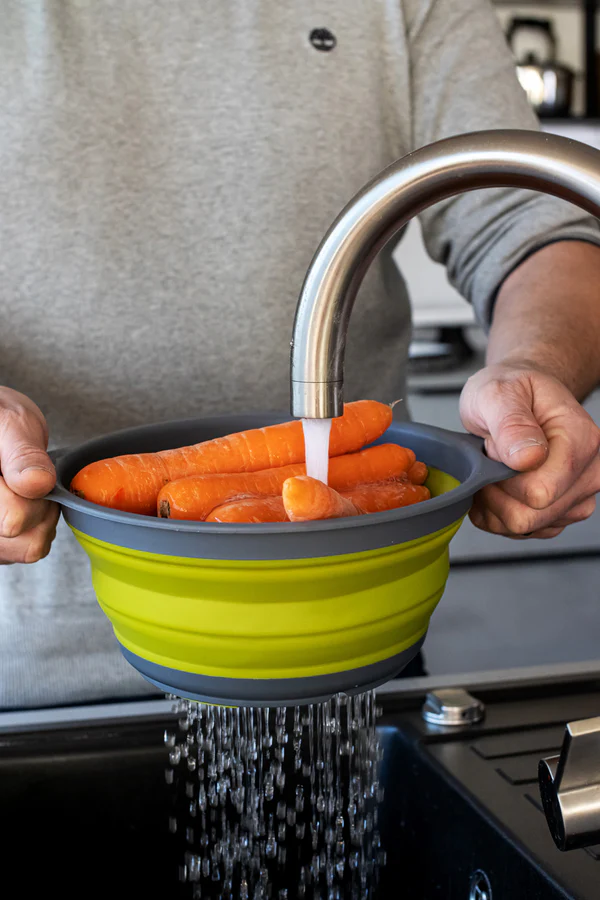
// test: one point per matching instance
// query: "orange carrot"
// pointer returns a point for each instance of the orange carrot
(195, 497)
(251, 510)
(367, 498)
(418, 473)
(372, 498)
(375, 464)
(132, 482)
(306, 499)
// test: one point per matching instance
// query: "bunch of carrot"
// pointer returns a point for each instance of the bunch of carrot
(260, 476)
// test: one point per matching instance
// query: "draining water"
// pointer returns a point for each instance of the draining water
(277, 804)
(316, 442)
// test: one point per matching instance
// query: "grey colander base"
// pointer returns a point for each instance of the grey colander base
(274, 691)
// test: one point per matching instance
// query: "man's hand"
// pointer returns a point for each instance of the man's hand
(534, 424)
(27, 523)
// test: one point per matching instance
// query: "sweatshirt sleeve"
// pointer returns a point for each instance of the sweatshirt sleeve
(463, 79)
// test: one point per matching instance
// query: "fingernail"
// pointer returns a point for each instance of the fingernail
(36, 469)
(523, 445)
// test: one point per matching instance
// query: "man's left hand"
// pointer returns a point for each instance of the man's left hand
(534, 424)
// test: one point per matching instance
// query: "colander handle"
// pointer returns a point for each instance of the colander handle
(491, 470)
(55, 493)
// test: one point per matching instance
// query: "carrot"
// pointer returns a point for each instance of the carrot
(367, 498)
(391, 495)
(306, 499)
(132, 482)
(251, 510)
(196, 496)
(375, 464)
(418, 473)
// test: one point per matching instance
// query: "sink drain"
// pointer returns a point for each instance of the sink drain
(480, 887)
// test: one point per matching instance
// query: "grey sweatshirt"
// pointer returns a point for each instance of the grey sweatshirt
(167, 171)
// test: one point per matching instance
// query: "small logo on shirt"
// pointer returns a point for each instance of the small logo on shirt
(322, 39)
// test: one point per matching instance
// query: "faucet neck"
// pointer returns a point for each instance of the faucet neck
(521, 159)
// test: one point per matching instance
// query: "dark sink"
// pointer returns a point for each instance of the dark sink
(85, 808)
(85, 812)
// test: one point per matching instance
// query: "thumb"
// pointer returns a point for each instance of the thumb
(512, 434)
(25, 466)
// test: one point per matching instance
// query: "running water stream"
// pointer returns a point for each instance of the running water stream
(316, 442)
(277, 804)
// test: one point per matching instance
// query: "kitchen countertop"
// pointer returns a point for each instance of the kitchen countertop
(24, 720)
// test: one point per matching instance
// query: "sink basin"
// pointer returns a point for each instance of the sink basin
(86, 807)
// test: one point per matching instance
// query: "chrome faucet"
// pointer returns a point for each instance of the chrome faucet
(524, 159)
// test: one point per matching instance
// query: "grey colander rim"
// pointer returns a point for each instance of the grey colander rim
(460, 455)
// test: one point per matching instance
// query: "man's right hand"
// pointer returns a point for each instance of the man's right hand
(27, 523)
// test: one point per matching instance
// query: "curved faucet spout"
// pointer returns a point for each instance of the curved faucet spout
(524, 159)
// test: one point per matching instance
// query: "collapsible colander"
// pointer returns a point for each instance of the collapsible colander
(281, 614)
(274, 614)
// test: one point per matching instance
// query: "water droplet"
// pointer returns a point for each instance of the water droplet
(329, 873)
(194, 870)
